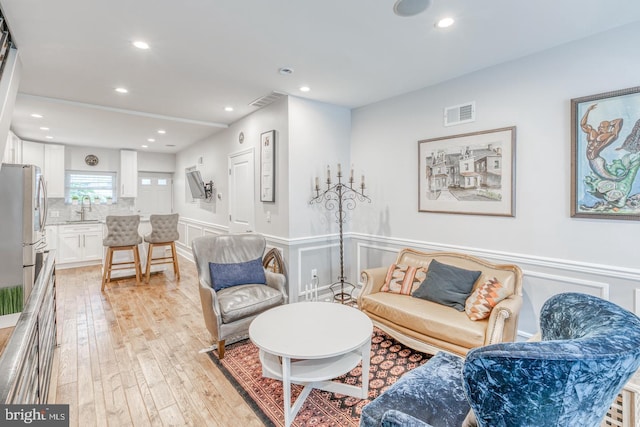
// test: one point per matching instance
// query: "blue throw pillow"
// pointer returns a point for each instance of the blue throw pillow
(447, 285)
(241, 273)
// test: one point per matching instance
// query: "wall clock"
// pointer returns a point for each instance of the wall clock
(91, 160)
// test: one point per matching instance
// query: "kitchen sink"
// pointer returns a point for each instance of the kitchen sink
(86, 221)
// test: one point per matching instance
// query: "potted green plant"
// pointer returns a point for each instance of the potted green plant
(74, 200)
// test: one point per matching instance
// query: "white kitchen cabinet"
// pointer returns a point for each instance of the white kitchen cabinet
(33, 153)
(50, 159)
(51, 231)
(128, 173)
(54, 169)
(79, 243)
(13, 149)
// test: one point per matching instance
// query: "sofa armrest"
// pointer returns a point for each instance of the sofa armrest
(503, 321)
(210, 308)
(372, 281)
(278, 282)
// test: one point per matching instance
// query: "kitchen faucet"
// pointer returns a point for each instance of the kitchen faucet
(83, 208)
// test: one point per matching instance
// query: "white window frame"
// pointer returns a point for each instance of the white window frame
(92, 190)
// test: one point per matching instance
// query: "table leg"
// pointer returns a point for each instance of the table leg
(286, 388)
(366, 359)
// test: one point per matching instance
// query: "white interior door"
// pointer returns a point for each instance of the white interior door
(241, 192)
(155, 191)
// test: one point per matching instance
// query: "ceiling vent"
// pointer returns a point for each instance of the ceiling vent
(267, 99)
(459, 114)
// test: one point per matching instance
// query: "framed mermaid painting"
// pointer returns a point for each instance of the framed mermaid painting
(605, 155)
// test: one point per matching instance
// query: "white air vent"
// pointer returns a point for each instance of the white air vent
(267, 99)
(458, 114)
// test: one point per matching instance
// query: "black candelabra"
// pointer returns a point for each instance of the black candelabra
(340, 196)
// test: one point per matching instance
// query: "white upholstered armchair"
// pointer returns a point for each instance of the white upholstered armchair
(234, 287)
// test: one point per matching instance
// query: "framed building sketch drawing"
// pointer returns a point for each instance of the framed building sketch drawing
(605, 155)
(267, 166)
(472, 173)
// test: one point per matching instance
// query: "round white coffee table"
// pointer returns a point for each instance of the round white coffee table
(310, 343)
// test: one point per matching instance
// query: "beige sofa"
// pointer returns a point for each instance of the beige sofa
(428, 326)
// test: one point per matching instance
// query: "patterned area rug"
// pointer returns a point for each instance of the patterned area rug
(389, 360)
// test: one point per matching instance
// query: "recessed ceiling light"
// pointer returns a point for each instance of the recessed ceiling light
(162, 131)
(285, 71)
(49, 137)
(170, 145)
(305, 88)
(44, 128)
(141, 45)
(151, 140)
(36, 115)
(228, 109)
(410, 7)
(445, 22)
(122, 90)
(145, 146)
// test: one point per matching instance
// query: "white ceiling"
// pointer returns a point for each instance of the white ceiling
(208, 54)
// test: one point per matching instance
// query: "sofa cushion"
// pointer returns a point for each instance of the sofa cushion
(239, 302)
(240, 273)
(447, 284)
(484, 298)
(426, 318)
(403, 279)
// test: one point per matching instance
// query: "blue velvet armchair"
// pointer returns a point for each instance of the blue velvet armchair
(589, 349)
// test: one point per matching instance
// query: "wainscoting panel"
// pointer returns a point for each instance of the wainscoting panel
(190, 229)
(323, 258)
(542, 277)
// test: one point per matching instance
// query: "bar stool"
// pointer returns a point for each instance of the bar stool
(164, 232)
(122, 235)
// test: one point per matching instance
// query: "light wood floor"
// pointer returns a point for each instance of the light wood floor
(129, 356)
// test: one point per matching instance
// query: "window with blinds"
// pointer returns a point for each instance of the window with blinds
(99, 186)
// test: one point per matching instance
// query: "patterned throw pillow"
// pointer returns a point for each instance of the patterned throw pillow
(403, 279)
(486, 296)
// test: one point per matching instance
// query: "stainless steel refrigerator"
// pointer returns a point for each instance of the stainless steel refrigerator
(23, 212)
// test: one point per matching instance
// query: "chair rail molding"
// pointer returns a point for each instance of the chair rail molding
(543, 276)
(513, 258)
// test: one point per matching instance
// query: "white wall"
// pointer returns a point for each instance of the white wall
(108, 159)
(319, 136)
(534, 94)
(156, 162)
(8, 91)
(215, 151)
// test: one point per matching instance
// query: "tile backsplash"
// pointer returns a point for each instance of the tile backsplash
(60, 212)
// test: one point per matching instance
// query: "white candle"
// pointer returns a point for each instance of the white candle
(328, 173)
(317, 183)
(351, 174)
(339, 169)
